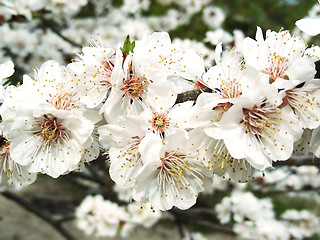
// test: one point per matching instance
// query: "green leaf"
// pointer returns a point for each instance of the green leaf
(128, 46)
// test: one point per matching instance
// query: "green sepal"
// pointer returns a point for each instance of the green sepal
(128, 46)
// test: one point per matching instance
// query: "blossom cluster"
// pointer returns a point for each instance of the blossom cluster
(171, 123)
(255, 219)
(103, 218)
(293, 178)
(252, 110)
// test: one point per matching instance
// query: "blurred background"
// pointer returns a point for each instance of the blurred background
(33, 31)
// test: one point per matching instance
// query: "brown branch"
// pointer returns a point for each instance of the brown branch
(193, 94)
(44, 215)
(188, 96)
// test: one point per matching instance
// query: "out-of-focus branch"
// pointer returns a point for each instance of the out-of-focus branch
(202, 211)
(215, 227)
(190, 216)
(85, 177)
(66, 219)
(57, 224)
(299, 160)
(95, 175)
(103, 176)
(286, 191)
(178, 221)
(56, 31)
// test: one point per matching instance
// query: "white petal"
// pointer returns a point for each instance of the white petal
(161, 96)
(150, 147)
(192, 66)
(113, 135)
(6, 69)
(124, 165)
(217, 53)
(180, 114)
(309, 26)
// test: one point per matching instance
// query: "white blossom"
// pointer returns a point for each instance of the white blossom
(278, 58)
(99, 217)
(48, 131)
(143, 214)
(171, 175)
(12, 174)
(213, 16)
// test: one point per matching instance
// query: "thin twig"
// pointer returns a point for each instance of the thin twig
(44, 215)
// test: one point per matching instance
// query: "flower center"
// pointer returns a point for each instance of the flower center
(278, 67)
(159, 122)
(258, 121)
(173, 164)
(51, 129)
(134, 87)
(61, 101)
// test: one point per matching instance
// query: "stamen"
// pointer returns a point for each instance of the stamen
(108, 69)
(277, 69)
(173, 165)
(134, 87)
(258, 121)
(61, 101)
(230, 89)
(51, 129)
(159, 122)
